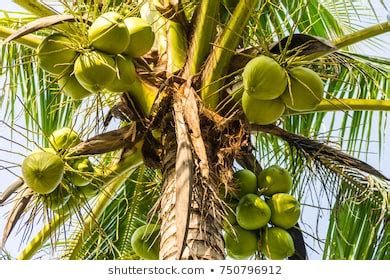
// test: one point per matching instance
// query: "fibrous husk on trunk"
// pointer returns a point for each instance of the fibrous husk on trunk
(197, 162)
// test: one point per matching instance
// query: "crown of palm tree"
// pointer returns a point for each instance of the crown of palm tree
(169, 158)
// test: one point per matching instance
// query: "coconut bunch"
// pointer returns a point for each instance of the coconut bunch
(260, 217)
(269, 89)
(106, 64)
(57, 180)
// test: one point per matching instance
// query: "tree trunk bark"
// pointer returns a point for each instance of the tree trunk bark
(204, 239)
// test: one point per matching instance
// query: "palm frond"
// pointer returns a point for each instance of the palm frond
(319, 151)
(356, 220)
(382, 251)
(28, 90)
(121, 218)
(89, 223)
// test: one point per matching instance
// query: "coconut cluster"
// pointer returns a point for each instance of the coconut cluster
(261, 215)
(106, 64)
(269, 89)
(58, 181)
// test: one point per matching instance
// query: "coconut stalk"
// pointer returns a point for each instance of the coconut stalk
(178, 152)
(30, 40)
(184, 231)
(110, 184)
(224, 49)
(168, 243)
(347, 104)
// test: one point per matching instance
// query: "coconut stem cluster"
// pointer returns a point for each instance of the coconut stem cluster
(105, 64)
(269, 89)
(57, 181)
(261, 213)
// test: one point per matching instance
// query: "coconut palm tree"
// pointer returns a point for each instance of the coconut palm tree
(165, 150)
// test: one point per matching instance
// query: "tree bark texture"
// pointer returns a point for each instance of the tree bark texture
(203, 236)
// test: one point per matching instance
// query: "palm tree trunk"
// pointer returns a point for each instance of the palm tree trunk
(204, 233)
(168, 248)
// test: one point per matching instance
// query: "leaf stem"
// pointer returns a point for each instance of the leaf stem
(39, 9)
(350, 39)
(29, 40)
(35, 7)
(91, 220)
(177, 47)
(144, 95)
(329, 105)
(43, 235)
(362, 35)
(205, 30)
(224, 48)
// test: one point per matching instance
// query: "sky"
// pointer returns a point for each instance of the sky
(383, 163)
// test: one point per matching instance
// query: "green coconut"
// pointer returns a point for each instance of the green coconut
(88, 191)
(64, 138)
(146, 242)
(285, 210)
(56, 199)
(246, 181)
(240, 243)
(305, 91)
(141, 37)
(48, 150)
(43, 171)
(125, 75)
(82, 174)
(70, 86)
(109, 34)
(262, 111)
(277, 244)
(55, 54)
(252, 212)
(274, 179)
(264, 78)
(94, 70)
